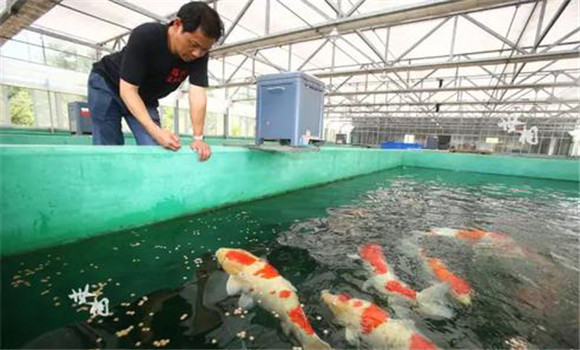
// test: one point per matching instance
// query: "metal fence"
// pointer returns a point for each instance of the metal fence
(552, 136)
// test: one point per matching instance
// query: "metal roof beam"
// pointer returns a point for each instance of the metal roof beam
(334, 8)
(454, 103)
(459, 88)
(236, 20)
(458, 111)
(354, 8)
(494, 34)
(535, 57)
(138, 9)
(317, 10)
(406, 14)
(68, 38)
(88, 14)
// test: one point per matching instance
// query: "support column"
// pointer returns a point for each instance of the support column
(552, 146)
(5, 106)
(176, 117)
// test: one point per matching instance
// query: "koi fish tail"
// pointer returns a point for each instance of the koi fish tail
(313, 342)
(432, 301)
(297, 325)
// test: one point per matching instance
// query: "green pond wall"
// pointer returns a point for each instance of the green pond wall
(545, 168)
(55, 194)
(52, 194)
(21, 136)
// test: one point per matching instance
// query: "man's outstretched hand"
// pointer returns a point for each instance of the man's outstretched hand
(167, 139)
(203, 150)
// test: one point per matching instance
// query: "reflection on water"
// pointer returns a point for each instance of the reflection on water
(166, 290)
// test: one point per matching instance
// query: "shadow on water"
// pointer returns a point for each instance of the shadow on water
(162, 281)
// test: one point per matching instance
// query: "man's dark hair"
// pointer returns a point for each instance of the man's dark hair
(198, 15)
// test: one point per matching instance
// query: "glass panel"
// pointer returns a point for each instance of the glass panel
(42, 108)
(235, 126)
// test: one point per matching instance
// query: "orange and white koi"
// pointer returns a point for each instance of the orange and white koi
(473, 235)
(486, 239)
(460, 288)
(430, 301)
(260, 282)
(367, 324)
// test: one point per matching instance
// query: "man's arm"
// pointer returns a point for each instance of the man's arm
(130, 95)
(197, 108)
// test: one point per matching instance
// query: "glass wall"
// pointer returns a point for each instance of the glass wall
(40, 107)
(33, 47)
(36, 108)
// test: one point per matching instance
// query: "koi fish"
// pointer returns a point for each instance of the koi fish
(258, 281)
(472, 235)
(487, 239)
(383, 278)
(460, 288)
(372, 326)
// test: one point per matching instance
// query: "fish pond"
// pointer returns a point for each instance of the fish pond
(161, 286)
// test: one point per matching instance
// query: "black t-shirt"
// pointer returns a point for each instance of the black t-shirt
(147, 62)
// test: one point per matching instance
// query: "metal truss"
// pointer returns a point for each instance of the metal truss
(458, 88)
(389, 72)
(404, 83)
(63, 37)
(387, 75)
(491, 61)
(442, 103)
(407, 14)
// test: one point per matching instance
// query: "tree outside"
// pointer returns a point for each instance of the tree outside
(236, 131)
(167, 118)
(21, 108)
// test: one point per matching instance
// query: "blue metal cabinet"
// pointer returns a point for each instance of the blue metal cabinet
(289, 108)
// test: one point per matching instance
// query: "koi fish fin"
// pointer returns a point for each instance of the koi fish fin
(353, 256)
(410, 248)
(351, 336)
(246, 301)
(432, 301)
(293, 288)
(313, 342)
(401, 311)
(233, 286)
(434, 293)
(286, 328)
(307, 341)
(367, 285)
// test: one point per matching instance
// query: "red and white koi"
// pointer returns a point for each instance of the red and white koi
(460, 288)
(498, 242)
(258, 281)
(430, 301)
(473, 235)
(367, 324)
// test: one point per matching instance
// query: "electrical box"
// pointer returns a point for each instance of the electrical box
(289, 109)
